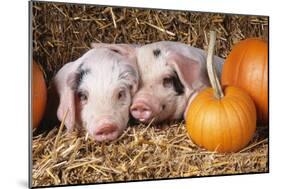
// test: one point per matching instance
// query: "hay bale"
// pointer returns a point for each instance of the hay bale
(63, 32)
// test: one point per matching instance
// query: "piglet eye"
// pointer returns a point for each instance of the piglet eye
(121, 95)
(82, 96)
(168, 82)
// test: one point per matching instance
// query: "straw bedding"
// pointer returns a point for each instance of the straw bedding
(62, 33)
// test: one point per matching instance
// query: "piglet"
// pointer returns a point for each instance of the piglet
(96, 90)
(171, 75)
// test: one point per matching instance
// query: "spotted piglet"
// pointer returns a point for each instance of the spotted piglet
(97, 91)
(172, 74)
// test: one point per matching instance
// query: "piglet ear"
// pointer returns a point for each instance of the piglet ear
(64, 82)
(123, 49)
(188, 70)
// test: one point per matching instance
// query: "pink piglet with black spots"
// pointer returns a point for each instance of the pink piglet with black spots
(172, 74)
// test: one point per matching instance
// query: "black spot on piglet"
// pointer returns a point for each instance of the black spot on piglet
(178, 86)
(78, 77)
(81, 74)
(156, 52)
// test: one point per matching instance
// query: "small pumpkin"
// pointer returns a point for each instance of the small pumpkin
(222, 120)
(247, 67)
(39, 95)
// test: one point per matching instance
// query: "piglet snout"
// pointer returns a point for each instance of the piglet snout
(106, 132)
(141, 111)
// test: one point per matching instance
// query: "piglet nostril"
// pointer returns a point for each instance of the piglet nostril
(139, 108)
(141, 112)
(106, 129)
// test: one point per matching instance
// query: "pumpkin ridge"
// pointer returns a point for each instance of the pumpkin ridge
(196, 108)
(190, 115)
(225, 110)
(203, 127)
(265, 111)
(238, 115)
(238, 98)
(262, 107)
(245, 101)
(249, 119)
(252, 127)
(259, 106)
(197, 105)
(203, 103)
(239, 65)
(251, 88)
(199, 140)
(204, 120)
(219, 145)
(210, 123)
(191, 119)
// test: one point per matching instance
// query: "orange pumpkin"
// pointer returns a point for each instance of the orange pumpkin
(247, 67)
(221, 120)
(223, 125)
(39, 95)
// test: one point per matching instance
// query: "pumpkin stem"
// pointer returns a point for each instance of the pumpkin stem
(211, 69)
